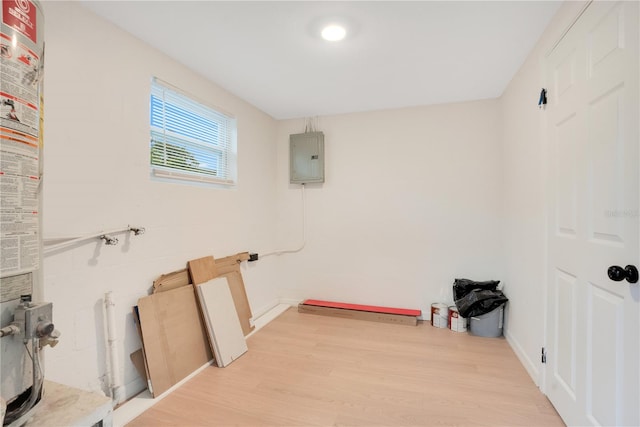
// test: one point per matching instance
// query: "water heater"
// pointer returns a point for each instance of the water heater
(25, 326)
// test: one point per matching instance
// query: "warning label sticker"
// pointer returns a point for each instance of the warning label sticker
(20, 74)
(21, 16)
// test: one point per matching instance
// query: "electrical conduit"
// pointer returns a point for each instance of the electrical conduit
(304, 232)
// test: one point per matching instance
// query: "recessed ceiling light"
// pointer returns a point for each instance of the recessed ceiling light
(333, 33)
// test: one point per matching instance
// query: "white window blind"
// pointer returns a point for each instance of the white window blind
(189, 140)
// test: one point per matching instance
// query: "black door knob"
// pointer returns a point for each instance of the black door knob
(618, 274)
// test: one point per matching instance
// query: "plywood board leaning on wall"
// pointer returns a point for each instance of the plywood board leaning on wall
(145, 377)
(138, 360)
(231, 263)
(203, 270)
(172, 280)
(229, 267)
(223, 326)
(236, 286)
(174, 337)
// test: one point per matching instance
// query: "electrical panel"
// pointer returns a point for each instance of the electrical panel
(306, 158)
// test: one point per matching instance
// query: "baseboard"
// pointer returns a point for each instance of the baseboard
(290, 301)
(264, 310)
(529, 365)
(134, 388)
(267, 317)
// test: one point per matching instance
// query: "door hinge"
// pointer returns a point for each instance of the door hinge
(543, 357)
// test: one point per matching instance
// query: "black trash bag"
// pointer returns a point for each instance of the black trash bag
(476, 298)
(462, 287)
(480, 301)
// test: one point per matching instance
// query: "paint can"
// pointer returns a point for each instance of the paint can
(439, 315)
(457, 323)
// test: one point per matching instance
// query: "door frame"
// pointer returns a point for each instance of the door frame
(576, 12)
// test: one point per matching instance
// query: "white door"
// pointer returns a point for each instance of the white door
(593, 323)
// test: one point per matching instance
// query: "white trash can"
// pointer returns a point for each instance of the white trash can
(489, 324)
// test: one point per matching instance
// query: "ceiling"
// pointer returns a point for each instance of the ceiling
(396, 54)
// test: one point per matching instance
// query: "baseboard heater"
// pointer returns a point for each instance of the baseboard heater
(400, 316)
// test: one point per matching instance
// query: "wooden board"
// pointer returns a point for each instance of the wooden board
(359, 315)
(137, 358)
(221, 320)
(172, 280)
(202, 269)
(360, 307)
(230, 268)
(175, 341)
(207, 268)
(240, 300)
(136, 320)
(231, 263)
(179, 278)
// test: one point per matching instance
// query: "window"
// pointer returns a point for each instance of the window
(189, 141)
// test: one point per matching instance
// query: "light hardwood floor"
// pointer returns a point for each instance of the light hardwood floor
(310, 370)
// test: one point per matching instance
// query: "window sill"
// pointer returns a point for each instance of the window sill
(187, 177)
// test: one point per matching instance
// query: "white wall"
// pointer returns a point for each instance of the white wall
(525, 199)
(412, 200)
(97, 81)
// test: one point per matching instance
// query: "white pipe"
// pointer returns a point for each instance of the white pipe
(115, 383)
(304, 232)
(69, 240)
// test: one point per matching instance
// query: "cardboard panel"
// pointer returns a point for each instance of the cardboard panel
(202, 269)
(359, 315)
(175, 340)
(221, 320)
(172, 280)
